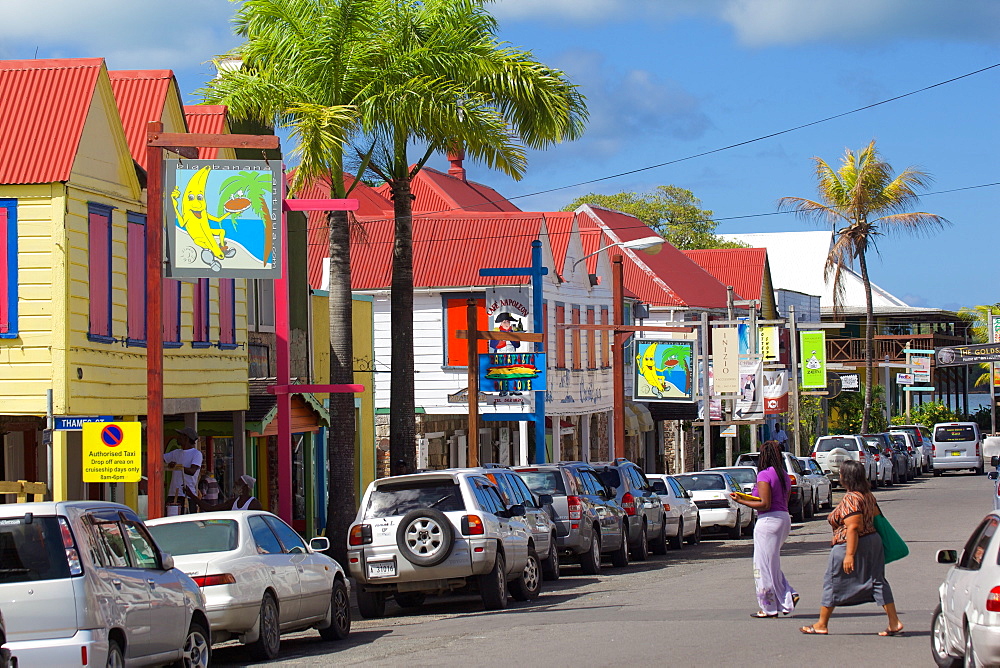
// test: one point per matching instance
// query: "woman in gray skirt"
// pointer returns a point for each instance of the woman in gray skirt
(856, 571)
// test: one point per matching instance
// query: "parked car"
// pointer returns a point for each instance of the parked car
(683, 521)
(922, 439)
(589, 522)
(710, 491)
(801, 495)
(543, 527)
(832, 451)
(746, 476)
(436, 531)
(883, 465)
(905, 442)
(85, 579)
(643, 509)
(899, 459)
(966, 622)
(5, 658)
(957, 445)
(260, 579)
(994, 475)
(821, 484)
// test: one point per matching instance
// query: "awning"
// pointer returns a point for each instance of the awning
(631, 421)
(645, 417)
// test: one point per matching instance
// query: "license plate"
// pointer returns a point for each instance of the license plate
(957, 453)
(382, 569)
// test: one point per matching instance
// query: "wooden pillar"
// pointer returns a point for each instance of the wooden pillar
(472, 326)
(617, 358)
(154, 325)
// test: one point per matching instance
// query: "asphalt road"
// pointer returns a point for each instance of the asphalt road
(688, 608)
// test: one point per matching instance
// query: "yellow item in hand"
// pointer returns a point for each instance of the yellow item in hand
(746, 497)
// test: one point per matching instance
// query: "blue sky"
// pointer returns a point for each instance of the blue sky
(667, 79)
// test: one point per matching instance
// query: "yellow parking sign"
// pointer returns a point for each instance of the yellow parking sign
(112, 452)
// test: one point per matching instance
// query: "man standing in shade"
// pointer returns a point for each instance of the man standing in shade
(780, 436)
(184, 464)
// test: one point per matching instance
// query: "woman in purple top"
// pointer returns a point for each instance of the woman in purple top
(774, 594)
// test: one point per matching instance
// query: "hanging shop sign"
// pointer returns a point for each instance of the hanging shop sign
(850, 382)
(222, 218)
(508, 309)
(767, 343)
(664, 370)
(725, 360)
(749, 405)
(812, 357)
(975, 353)
(775, 392)
(921, 368)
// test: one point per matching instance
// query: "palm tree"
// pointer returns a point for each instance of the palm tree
(981, 319)
(306, 65)
(448, 84)
(862, 201)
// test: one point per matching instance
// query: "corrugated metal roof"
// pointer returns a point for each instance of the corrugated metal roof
(207, 119)
(437, 192)
(141, 96)
(560, 228)
(742, 268)
(43, 108)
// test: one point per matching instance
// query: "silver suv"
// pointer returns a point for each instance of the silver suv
(83, 582)
(643, 509)
(437, 531)
(589, 521)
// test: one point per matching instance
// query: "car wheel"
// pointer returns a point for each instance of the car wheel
(197, 650)
(641, 550)
(677, 542)
(371, 604)
(829, 498)
(660, 544)
(620, 556)
(979, 471)
(937, 474)
(970, 660)
(425, 537)
(736, 531)
(526, 587)
(410, 599)
(340, 613)
(550, 567)
(269, 638)
(116, 658)
(753, 523)
(810, 510)
(493, 585)
(939, 642)
(800, 513)
(695, 538)
(590, 561)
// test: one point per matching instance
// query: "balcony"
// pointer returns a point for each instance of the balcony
(852, 351)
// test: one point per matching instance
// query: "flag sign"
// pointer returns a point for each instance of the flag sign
(768, 343)
(775, 392)
(725, 360)
(812, 357)
(112, 451)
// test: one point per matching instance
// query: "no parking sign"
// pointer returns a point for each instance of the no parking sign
(112, 452)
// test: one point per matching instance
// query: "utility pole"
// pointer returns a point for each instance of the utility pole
(794, 378)
(706, 396)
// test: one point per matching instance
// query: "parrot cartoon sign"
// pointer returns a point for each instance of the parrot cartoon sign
(222, 218)
(664, 370)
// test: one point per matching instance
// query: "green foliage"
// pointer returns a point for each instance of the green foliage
(810, 409)
(672, 212)
(979, 317)
(927, 414)
(847, 410)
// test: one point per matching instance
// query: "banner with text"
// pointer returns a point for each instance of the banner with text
(767, 343)
(725, 360)
(775, 392)
(749, 406)
(812, 357)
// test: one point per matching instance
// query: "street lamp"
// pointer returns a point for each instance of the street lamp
(649, 245)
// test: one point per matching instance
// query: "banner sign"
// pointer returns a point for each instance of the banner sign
(850, 382)
(725, 360)
(222, 218)
(975, 353)
(112, 452)
(921, 369)
(775, 392)
(812, 357)
(767, 344)
(749, 405)
(664, 370)
(714, 405)
(512, 373)
(904, 379)
(995, 337)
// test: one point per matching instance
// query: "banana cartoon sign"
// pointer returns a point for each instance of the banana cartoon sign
(222, 218)
(664, 370)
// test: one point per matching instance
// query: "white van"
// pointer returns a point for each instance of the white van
(957, 445)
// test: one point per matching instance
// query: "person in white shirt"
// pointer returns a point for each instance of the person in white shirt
(184, 465)
(780, 436)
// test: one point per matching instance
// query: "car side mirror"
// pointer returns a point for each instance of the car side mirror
(319, 544)
(947, 556)
(515, 510)
(166, 561)
(545, 499)
(994, 461)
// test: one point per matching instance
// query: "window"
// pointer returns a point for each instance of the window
(136, 294)
(260, 304)
(99, 260)
(171, 309)
(676, 486)
(605, 338)
(528, 498)
(456, 319)
(292, 542)
(267, 542)
(227, 313)
(560, 336)
(393, 500)
(487, 495)
(591, 338)
(975, 549)
(113, 544)
(202, 314)
(144, 555)
(8, 269)
(576, 339)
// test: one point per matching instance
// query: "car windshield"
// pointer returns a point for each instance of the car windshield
(196, 536)
(875, 439)
(842, 442)
(544, 482)
(954, 434)
(610, 477)
(742, 475)
(390, 500)
(31, 549)
(659, 486)
(698, 482)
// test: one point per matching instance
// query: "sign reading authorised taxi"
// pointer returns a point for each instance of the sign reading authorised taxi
(112, 452)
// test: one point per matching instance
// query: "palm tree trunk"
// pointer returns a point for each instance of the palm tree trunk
(869, 342)
(341, 504)
(402, 404)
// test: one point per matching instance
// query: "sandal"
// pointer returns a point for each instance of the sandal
(760, 614)
(795, 603)
(889, 632)
(813, 631)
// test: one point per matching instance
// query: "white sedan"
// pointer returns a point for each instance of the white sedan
(710, 491)
(259, 577)
(967, 620)
(682, 517)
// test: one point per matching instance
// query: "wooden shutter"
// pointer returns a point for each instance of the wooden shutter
(100, 273)
(136, 295)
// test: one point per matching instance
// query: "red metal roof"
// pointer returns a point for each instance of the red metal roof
(742, 268)
(207, 119)
(141, 96)
(43, 108)
(437, 192)
(669, 278)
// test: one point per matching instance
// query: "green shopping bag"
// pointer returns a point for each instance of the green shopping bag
(893, 546)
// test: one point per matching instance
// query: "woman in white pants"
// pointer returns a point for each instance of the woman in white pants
(774, 594)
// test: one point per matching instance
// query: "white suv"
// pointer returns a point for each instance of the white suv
(832, 451)
(434, 532)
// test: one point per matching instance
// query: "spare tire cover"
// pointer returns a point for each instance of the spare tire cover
(425, 536)
(837, 457)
